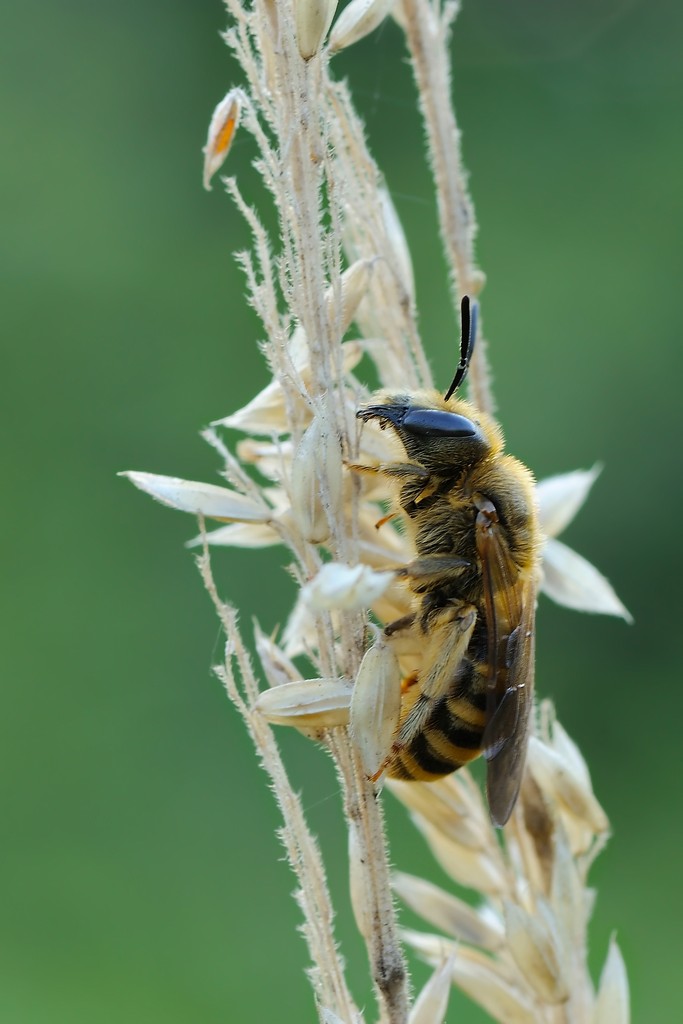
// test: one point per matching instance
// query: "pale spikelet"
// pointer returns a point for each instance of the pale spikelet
(557, 777)
(533, 924)
(398, 251)
(240, 535)
(300, 634)
(490, 986)
(568, 896)
(375, 706)
(537, 953)
(434, 949)
(358, 19)
(572, 581)
(449, 913)
(483, 979)
(568, 578)
(224, 122)
(266, 414)
(353, 289)
(564, 745)
(309, 703)
(318, 449)
(277, 667)
(475, 869)
(440, 805)
(313, 20)
(613, 1000)
(432, 1002)
(345, 587)
(200, 498)
(560, 498)
(271, 458)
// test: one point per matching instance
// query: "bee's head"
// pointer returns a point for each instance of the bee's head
(443, 436)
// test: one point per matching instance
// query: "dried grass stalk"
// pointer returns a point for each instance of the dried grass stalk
(339, 264)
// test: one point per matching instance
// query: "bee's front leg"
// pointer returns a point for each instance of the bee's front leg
(400, 470)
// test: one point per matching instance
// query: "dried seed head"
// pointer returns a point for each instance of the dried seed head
(613, 1002)
(438, 804)
(275, 663)
(484, 979)
(476, 869)
(200, 498)
(431, 1004)
(490, 985)
(342, 305)
(561, 741)
(449, 913)
(560, 498)
(376, 706)
(567, 577)
(301, 633)
(557, 777)
(568, 897)
(358, 19)
(433, 949)
(345, 587)
(222, 128)
(266, 414)
(269, 457)
(573, 582)
(313, 20)
(318, 452)
(401, 263)
(535, 948)
(239, 535)
(309, 703)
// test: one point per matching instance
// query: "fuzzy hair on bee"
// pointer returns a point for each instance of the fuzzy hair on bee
(470, 511)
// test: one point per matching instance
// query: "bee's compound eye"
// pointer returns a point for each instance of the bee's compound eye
(438, 423)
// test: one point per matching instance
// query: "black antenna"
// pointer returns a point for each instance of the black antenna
(468, 336)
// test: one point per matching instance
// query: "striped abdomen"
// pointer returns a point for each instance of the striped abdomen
(451, 730)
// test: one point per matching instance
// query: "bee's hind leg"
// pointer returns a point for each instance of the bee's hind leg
(445, 645)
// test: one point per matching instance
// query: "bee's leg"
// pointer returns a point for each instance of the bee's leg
(408, 681)
(447, 641)
(405, 622)
(431, 487)
(386, 519)
(433, 567)
(401, 470)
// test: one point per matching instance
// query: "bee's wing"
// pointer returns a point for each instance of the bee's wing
(510, 609)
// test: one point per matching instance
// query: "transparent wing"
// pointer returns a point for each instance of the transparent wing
(510, 601)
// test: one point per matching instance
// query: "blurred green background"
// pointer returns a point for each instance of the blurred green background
(141, 877)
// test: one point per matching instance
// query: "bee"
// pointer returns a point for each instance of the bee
(470, 511)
